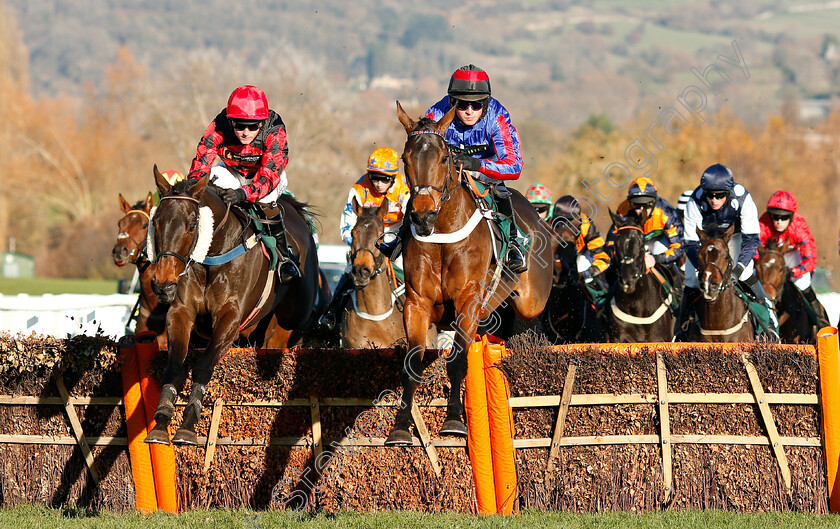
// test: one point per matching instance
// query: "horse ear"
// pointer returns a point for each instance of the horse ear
(761, 249)
(198, 189)
(445, 121)
(727, 235)
(163, 186)
(617, 219)
(150, 202)
(382, 212)
(407, 123)
(701, 234)
(125, 206)
(357, 208)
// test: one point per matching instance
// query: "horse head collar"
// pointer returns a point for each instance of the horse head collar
(713, 278)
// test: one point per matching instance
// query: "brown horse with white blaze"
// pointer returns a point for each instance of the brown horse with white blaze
(211, 271)
(446, 282)
(131, 241)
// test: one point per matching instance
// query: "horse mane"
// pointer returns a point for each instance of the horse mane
(303, 208)
(140, 204)
(181, 187)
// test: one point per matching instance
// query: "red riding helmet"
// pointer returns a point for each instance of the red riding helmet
(247, 103)
(782, 201)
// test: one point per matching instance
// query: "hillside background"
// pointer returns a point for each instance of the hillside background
(94, 93)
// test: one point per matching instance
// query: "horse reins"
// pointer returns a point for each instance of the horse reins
(727, 275)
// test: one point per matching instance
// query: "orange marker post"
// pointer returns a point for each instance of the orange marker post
(478, 426)
(830, 408)
(163, 456)
(501, 426)
(145, 498)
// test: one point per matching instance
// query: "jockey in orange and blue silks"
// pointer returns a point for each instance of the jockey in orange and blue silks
(484, 141)
(663, 228)
(381, 181)
(383, 164)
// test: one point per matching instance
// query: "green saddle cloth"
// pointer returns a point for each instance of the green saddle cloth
(502, 223)
(760, 311)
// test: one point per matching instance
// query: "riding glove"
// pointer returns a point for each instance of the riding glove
(737, 271)
(231, 196)
(469, 163)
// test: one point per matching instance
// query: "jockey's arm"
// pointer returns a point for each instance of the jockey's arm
(274, 161)
(206, 152)
(348, 217)
(693, 219)
(750, 231)
(807, 249)
(507, 164)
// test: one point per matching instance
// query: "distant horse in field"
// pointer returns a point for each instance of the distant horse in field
(450, 280)
(722, 315)
(640, 308)
(373, 315)
(795, 325)
(212, 272)
(129, 248)
(570, 316)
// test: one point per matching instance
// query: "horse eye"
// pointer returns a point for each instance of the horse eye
(444, 158)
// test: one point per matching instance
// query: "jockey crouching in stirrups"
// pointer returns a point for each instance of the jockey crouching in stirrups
(382, 181)
(250, 140)
(661, 226)
(715, 205)
(484, 142)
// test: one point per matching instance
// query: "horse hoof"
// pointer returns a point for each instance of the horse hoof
(160, 437)
(398, 438)
(185, 437)
(453, 427)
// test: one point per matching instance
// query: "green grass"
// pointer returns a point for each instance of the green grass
(36, 286)
(41, 517)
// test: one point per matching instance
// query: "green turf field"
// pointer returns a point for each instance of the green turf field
(10, 286)
(32, 517)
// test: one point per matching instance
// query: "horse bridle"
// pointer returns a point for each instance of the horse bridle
(377, 261)
(624, 261)
(445, 193)
(727, 276)
(764, 284)
(138, 248)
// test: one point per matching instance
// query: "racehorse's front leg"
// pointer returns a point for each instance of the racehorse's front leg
(466, 326)
(225, 331)
(178, 336)
(417, 319)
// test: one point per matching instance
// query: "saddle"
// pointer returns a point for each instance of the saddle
(484, 194)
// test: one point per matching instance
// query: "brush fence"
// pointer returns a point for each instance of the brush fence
(597, 428)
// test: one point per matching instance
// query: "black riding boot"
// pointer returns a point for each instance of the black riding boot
(392, 248)
(761, 296)
(689, 297)
(286, 269)
(329, 320)
(515, 259)
(816, 307)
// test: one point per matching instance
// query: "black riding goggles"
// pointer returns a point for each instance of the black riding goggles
(541, 208)
(775, 216)
(385, 179)
(246, 125)
(464, 105)
(717, 195)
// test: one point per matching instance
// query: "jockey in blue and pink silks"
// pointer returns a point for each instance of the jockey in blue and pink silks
(484, 142)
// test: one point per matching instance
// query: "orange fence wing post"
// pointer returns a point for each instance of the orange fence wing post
(830, 410)
(478, 426)
(163, 456)
(501, 428)
(145, 499)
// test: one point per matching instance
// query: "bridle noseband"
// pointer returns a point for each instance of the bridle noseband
(726, 280)
(627, 261)
(133, 254)
(425, 189)
(187, 261)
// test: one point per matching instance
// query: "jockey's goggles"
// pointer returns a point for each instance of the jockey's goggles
(541, 208)
(776, 216)
(717, 195)
(246, 125)
(460, 104)
(375, 177)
